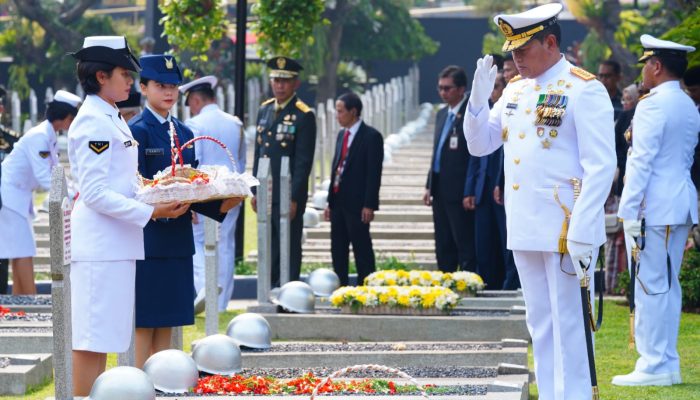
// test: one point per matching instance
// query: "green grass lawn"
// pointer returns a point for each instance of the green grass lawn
(613, 358)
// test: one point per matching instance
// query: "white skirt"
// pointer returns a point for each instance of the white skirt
(102, 305)
(16, 235)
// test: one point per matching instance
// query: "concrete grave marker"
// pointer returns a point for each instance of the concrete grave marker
(59, 218)
(285, 220)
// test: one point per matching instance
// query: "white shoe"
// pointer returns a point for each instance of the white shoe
(637, 378)
(676, 378)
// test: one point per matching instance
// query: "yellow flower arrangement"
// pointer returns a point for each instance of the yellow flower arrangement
(419, 297)
(460, 281)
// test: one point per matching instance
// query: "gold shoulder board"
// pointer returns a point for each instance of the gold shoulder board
(302, 106)
(515, 79)
(646, 95)
(582, 73)
(268, 101)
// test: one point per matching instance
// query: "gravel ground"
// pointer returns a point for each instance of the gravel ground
(458, 312)
(26, 330)
(31, 317)
(39, 300)
(456, 390)
(323, 347)
(416, 372)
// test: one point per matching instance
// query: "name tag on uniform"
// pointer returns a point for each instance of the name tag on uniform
(130, 143)
(454, 141)
(155, 151)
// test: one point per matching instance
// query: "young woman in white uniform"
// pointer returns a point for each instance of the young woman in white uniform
(26, 169)
(107, 223)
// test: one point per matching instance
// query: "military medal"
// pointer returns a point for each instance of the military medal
(546, 144)
(540, 131)
(504, 134)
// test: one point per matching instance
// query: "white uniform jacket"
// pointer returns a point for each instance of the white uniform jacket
(539, 158)
(28, 168)
(664, 135)
(212, 121)
(107, 223)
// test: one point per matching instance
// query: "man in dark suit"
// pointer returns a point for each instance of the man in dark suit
(354, 193)
(286, 127)
(447, 189)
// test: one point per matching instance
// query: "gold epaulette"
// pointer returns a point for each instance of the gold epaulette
(515, 79)
(582, 73)
(302, 106)
(268, 101)
(646, 96)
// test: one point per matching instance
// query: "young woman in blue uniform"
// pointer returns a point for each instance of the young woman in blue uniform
(164, 280)
(106, 222)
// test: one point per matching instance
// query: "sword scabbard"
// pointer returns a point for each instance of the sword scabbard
(631, 341)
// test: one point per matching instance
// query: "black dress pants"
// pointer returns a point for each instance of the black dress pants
(454, 234)
(296, 228)
(347, 227)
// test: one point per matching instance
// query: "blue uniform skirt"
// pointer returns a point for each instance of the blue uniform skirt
(164, 292)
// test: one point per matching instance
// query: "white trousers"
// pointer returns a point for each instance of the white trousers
(555, 322)
(226, 251)
(658, 312)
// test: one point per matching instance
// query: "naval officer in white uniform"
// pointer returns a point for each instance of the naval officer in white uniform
(210, 120)
(555, 122)
(658, 189)
(26, 169)
(106, 222)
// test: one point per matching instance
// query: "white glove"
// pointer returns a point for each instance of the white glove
(482, 86)
(580, 253)
(632, 228)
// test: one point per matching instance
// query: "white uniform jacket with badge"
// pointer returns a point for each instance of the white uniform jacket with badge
(212, 121)
(28, 168)
(554, 127)
(107, 223)
(664, 133)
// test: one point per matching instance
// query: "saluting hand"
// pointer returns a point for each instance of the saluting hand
(484, 80)
(172, 209)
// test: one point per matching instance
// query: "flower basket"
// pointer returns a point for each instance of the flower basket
(394, 300)
(183, 183)
(388, 310)
(464, 283)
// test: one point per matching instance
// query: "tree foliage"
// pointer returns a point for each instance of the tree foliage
(191, 26)
(688, 32)
(285, 26)
(38, 37)
(384, 30)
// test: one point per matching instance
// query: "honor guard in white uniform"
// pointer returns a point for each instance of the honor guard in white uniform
(555, 122)
(210, 120)
(26, 169)
(658, 190)
(106, 222)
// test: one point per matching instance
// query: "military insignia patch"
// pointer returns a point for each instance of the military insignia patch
(281, 62)
(98, 146)
(44, 154)
(505, 28)
(582, 73)
(168, 62)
